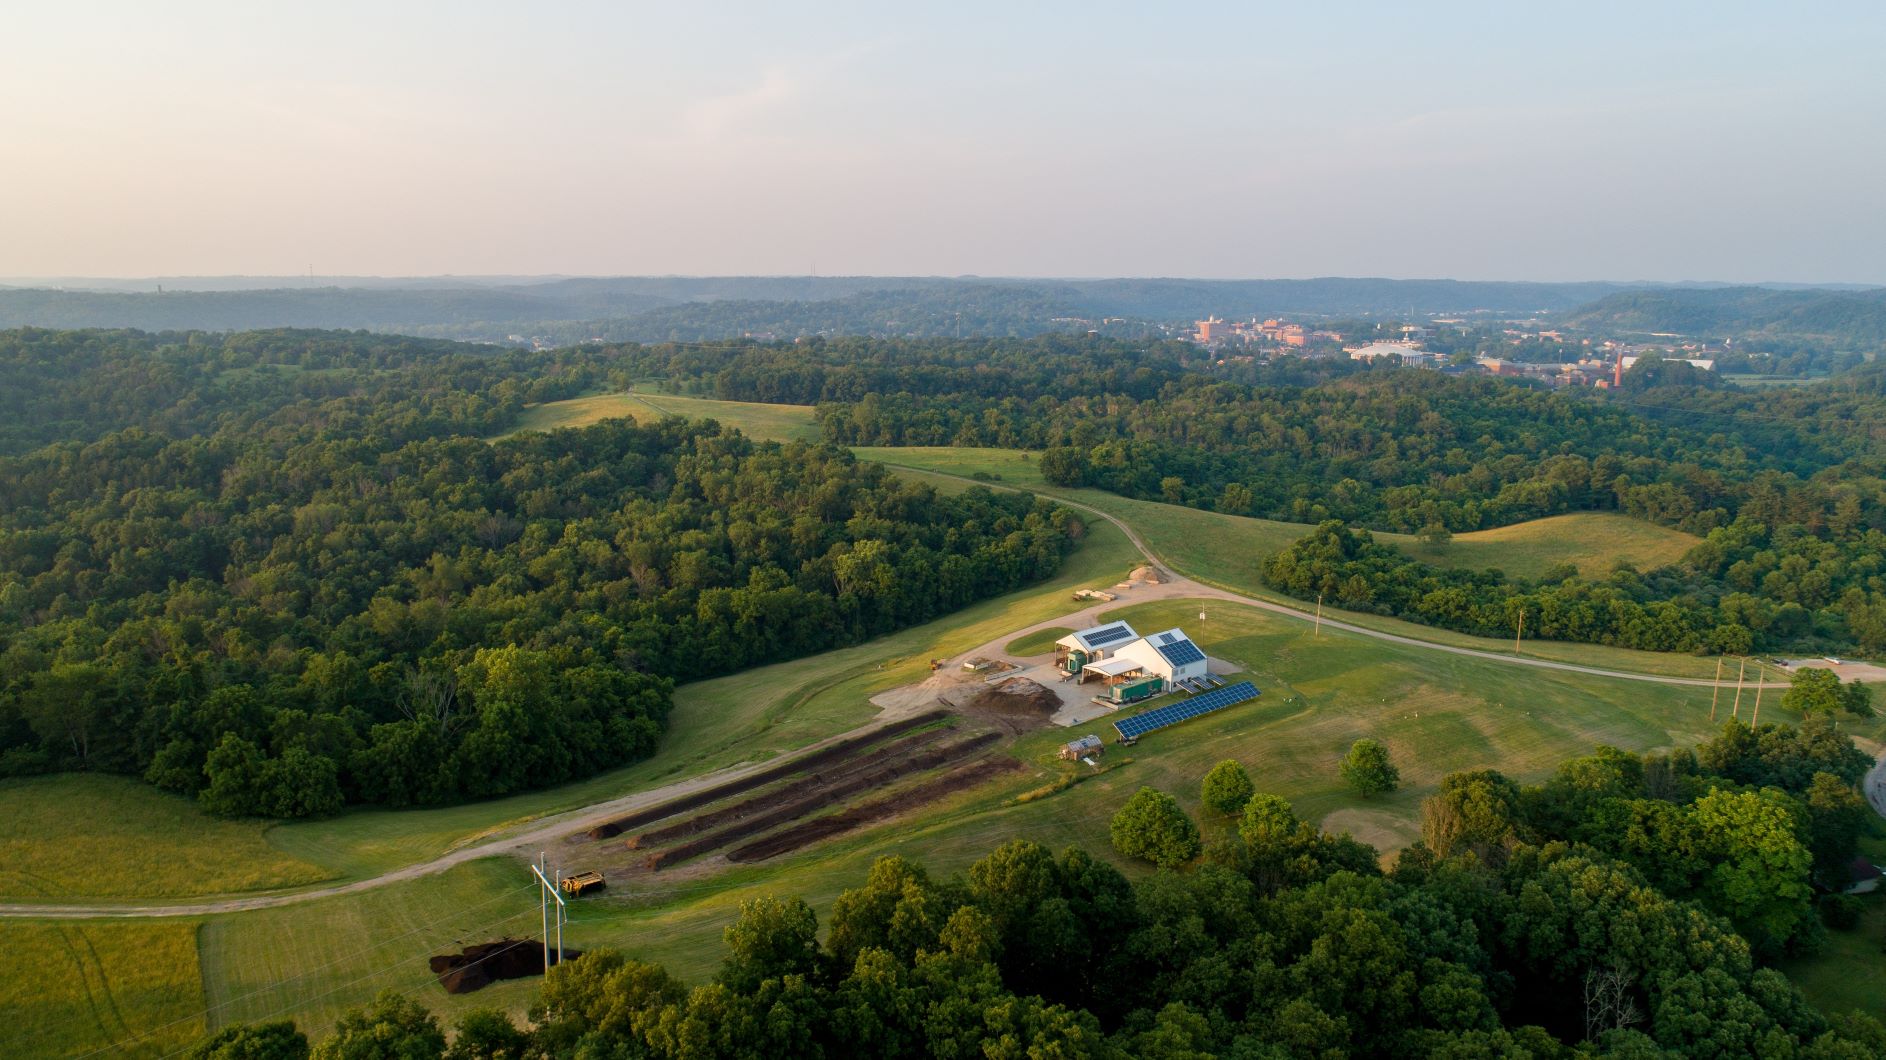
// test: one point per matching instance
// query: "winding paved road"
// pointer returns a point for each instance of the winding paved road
(543, 832)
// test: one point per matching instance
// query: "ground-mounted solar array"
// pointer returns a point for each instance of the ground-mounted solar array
(1140, 724)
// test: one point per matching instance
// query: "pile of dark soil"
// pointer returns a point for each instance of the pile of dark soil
(820, 828)
(487, 962)
(791, 791)
(1017, 704)
(921, 762)
(837, 751)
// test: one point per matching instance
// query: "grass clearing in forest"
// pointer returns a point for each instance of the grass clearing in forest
(1850, 972)
(756, 420)
(122, 988)
(69, 837)
(1594, 542)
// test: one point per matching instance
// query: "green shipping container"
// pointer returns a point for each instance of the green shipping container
(1137, 689)
(1075, 660)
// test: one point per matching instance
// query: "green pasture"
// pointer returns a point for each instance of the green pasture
(768, 422)
(1229, 552)
(80, 836)
(1436, 713)
(1040, 642)
(315, 960)
(117, 988)
(1594, 542)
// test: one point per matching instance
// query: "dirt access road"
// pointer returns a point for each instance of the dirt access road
(1178, 586)
(539, 834)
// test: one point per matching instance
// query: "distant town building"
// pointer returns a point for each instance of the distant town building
(1406, 352)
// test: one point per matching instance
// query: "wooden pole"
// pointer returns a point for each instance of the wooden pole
(1717, 694)
(1736, 712)
(1521, 631)
(1319, 616)
(1760, 683)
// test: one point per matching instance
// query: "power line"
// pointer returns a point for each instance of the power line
(144, 1035)
(336, 962)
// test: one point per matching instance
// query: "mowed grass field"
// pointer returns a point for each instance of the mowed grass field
(1594, 542)
(1229, 552)
(316, 960)
(1436, 713)
(766, 422)
(115, 988)
(1040, 642)
(78, 836)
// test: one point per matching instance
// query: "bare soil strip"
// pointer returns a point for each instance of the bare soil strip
(791, 790)
(836, 751)
(922, 762)
(823, 828)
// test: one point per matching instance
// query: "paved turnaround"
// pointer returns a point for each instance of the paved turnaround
(544, 831)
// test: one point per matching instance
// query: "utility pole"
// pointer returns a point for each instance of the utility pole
(1717, 694)
(1521, 632)
(547, 892)
(1319, 616)
(1761, 682)
(1736, 712)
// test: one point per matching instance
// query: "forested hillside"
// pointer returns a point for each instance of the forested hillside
(1785, 487)
(1628, 906)
(283, 572)
(1843, 318)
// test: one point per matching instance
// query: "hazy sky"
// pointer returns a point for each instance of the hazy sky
(1493, 141)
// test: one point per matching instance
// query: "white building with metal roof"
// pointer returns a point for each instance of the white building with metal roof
(1170, 655)
(1098, 642)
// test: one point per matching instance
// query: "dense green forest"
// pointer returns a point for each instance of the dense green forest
(1785, 487)
(283, 571)
(1626, 907)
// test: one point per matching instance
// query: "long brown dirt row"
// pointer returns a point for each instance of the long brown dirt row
(922, 762)
(835, 752)
(823, 828)
(792, 789)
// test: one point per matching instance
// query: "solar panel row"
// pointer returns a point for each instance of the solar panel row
(1217, 699)
(1110, 634)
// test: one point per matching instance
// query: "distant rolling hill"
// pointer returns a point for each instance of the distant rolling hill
(1855, 319)
(654, 308)
(658, 308)
(376, 309)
